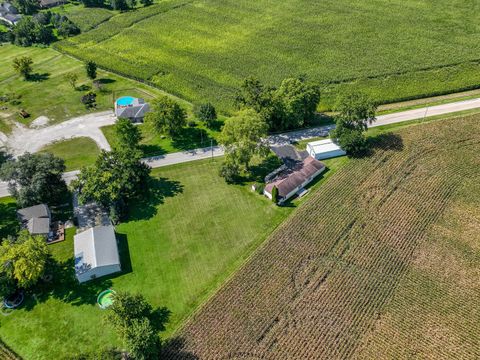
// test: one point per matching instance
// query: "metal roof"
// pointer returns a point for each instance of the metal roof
(94, 248)
(322, 146)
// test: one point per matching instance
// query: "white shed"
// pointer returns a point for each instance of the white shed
(324, 149)
(96, 253)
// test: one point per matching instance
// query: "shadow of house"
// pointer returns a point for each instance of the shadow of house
(124, 252)
(63, 285)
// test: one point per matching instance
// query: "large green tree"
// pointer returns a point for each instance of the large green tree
(24, 259)
(35, 179)
(355, 112)
(299, 101)
(91, 69)
(166, 116)
(137, 323)
(116, 177)
(290, 106)
(243, 136)
(128, 134)
(27, 7)
(23, 66)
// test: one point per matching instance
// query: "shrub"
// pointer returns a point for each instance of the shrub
(230, 171)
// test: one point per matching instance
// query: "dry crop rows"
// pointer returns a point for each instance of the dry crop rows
(318, 286)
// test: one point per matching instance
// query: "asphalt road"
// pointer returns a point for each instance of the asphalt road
(285, 138)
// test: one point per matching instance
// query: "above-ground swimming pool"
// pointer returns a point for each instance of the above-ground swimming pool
(125, 101)
(105, 298)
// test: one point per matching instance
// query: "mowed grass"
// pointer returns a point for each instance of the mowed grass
(153, 144)
(77, 152)
(178, 247)
(51, 94)
(202, 49)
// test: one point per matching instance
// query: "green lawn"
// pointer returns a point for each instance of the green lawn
(177, 248)
(152, 144)
(8, 217)
(202, 49)
(50, 94)
(77, 152)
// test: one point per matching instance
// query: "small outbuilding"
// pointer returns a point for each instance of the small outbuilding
(131, 108)
(324, 149)
(96, 253)
(36, 219)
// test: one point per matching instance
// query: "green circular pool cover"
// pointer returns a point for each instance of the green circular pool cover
(105, 298)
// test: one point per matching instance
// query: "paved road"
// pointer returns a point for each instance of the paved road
(285, 138)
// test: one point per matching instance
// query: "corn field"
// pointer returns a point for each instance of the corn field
(324, 285)
(201, 50)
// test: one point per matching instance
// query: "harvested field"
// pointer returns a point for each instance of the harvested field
(385, 241)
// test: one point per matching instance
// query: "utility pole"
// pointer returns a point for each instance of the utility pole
(211, 146)
(425, 115)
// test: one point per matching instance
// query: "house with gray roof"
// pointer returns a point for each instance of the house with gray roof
(96, 253)
(9, 14)
(36, 219)
(131, 108)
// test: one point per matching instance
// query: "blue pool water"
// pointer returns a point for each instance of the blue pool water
(125, 100)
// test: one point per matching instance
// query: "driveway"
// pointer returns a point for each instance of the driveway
(24, 139)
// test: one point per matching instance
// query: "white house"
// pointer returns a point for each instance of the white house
(96, 253)
(324, 149)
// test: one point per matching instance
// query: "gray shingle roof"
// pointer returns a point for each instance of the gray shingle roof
(36, 211)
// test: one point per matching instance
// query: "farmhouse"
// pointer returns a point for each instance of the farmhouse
(131, 108)
(324, 149)
(9, 14)
(293, 180)
(36, 219)
(96, 253)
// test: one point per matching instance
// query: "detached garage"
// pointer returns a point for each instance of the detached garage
(96, 253)
(324, 149)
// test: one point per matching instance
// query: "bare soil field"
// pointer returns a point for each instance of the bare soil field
(381, 262)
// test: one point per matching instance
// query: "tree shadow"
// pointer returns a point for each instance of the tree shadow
(83, 87)
(321, 119)
(158, 190)
(191, 138)
(106, 81)
(9, 224)
(64, 286)
(387, 141)
(37, 77)
(152, 150)
(215, 125)
(160, 318)
(175, 349)
(259, 171)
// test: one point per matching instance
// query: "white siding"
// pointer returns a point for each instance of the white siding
(98, 272)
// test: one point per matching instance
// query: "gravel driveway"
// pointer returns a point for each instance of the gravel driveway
(24, 139)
